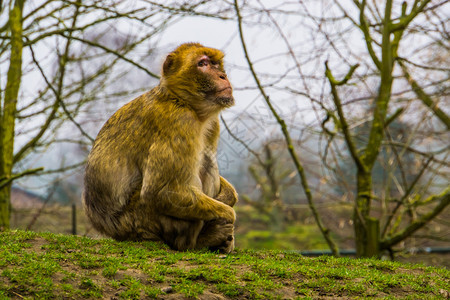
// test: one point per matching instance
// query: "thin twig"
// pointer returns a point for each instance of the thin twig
(241, 142)
(5, 181)
(325, 231)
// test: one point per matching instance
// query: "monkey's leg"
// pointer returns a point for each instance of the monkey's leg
(180, 234)
(183, 235)
(227, 193)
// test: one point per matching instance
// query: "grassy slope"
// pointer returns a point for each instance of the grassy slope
(52, 266)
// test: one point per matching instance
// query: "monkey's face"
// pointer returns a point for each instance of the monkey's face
(213, 82)
(195, 74)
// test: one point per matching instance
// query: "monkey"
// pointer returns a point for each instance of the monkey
(152, 172)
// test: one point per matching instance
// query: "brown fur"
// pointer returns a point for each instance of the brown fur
(152, 173)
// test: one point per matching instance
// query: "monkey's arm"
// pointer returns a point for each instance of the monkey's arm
(190, 203)
(227, 193)
(172, 189)
(171, 179)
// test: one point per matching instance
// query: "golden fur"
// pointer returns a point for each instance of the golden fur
(152, 173)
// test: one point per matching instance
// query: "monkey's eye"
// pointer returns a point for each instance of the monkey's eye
(202, 63)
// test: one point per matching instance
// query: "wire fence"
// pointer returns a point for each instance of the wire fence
(55, 218)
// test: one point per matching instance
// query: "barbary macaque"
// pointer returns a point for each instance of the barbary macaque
(152, 173)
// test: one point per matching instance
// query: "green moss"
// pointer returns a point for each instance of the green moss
(190, 289)
(133, 288)
(48, 266)
(152, 292)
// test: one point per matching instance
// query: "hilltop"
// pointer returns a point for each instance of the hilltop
(48, 266)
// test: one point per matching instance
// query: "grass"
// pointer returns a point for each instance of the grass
(48, 266)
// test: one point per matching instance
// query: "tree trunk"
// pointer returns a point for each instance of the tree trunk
(367, 229)
(8, 115)
(5, 207)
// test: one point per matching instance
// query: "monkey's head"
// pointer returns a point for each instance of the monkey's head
(195, 74)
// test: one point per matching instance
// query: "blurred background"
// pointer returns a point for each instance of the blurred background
(338, 142)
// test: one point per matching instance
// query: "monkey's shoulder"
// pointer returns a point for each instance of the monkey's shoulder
(149, 117)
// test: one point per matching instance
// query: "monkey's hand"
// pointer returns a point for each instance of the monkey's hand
(217, 235)
(227, 193)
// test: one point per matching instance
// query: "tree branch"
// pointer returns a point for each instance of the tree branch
(407, 18)
(444, 201)
(32, 142)
(5, 181)
(108, 50)
(241, 142)
(325, 231)
(405, 196)
(344, 125)
(426, 100)
(367, 37)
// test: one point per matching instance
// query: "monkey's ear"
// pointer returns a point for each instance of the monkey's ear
(168, 64)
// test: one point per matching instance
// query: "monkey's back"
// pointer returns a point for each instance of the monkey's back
(118, 160)
(113, 175)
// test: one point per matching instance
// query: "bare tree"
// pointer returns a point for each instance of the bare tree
(63, 56)
(377, 87)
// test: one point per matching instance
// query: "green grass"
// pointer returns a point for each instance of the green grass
(48, 266)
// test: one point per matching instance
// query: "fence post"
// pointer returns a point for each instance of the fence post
(74, 219)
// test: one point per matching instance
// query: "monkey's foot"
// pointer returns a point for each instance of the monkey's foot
(217, 235)
(226, 247)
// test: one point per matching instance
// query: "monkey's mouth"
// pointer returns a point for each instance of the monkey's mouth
(224, 89)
